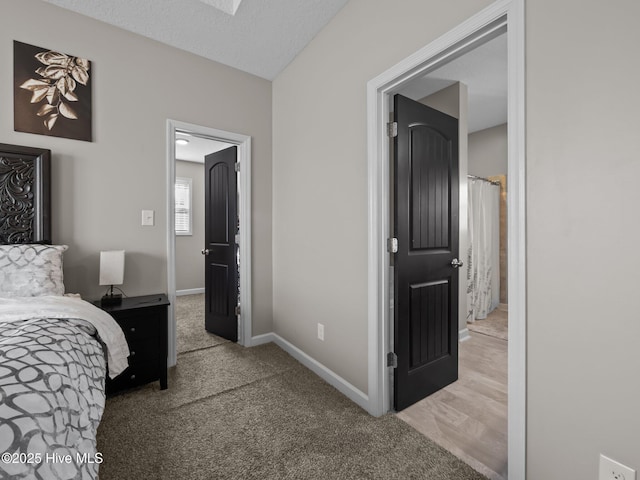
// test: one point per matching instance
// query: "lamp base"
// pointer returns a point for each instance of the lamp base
(113, 299)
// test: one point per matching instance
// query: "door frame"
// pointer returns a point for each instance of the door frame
(509, 13)
(243, 142)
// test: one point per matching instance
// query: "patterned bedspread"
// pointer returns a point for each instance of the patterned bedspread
(52, 374)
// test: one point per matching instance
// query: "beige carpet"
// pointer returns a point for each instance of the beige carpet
(256, 413)
(495, 325)
(191, 334)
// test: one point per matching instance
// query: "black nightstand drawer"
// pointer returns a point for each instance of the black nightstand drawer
(133, 376)
(144, 323)
(136, 325)
(143, 352)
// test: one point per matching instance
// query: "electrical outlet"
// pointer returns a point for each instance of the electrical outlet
(612, 470)
(321, 331)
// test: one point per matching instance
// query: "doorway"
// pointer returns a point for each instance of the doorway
(475, 31)
(468, 414)
(194, 214)
(243, 144)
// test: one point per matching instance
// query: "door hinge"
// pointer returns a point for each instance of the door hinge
(237, 309)
(237, 166)
(392, 245)
(392, 129)
(392, 360)
(237, 239)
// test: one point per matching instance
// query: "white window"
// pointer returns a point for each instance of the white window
(184, 214)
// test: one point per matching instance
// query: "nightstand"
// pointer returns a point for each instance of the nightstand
(144, 322)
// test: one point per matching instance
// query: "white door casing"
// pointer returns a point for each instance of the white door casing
(501, 14)
(243, 142)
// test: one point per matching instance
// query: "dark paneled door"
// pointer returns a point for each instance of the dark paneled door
(425, 273)
(220, 252)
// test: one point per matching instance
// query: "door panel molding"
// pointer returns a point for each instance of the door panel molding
(502, 15)
(243, 142)
(219, 177)
(218, 276)
(425, 235)
(425, 348)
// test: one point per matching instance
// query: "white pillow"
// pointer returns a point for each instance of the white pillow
(31, 270)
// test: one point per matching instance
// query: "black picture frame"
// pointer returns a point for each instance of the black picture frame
(51, 93)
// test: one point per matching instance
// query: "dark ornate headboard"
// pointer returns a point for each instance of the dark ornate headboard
(25, 194)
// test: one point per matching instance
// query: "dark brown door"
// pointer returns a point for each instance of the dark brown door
(221, 266)
(426, 226)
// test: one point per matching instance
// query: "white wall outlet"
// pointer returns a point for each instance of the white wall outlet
(148, 218)
(321, 331)
(612, 470)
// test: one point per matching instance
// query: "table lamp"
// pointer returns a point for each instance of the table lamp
(111, 273)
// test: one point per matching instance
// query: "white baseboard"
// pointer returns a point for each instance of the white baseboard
(262, 339)
(316, 367)
(190, 291)
(463, 335)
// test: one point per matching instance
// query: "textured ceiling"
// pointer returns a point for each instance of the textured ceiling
(262, 38)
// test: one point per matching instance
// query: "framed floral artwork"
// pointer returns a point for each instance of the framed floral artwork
(51, 93)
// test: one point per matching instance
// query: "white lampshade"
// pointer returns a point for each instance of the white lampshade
(112, 267)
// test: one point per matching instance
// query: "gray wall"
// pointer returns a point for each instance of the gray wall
(582, 218)
(320, 172)
(189, 260)
(100, 188)
(582, 197)
(488, 151)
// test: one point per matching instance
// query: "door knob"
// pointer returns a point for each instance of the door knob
(455, 263)
(205, 251)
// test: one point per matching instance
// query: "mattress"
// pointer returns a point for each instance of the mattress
(55, 353)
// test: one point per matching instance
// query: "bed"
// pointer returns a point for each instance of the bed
(55, 348)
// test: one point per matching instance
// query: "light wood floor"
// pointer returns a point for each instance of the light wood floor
(469, 417)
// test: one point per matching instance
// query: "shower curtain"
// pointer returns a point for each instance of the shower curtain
(483, 267)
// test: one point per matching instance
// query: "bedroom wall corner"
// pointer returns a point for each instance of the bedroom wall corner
(100, 187)
(320, 199)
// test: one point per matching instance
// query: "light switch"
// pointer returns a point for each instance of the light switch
(148, 218)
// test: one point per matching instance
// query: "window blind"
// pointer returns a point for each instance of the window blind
(183, 206)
